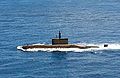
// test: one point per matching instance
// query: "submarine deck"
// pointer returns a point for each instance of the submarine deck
(58, 46)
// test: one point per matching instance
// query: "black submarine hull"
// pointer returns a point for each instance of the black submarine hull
(58, 43)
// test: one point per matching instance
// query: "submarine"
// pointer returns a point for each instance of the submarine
(59, 43)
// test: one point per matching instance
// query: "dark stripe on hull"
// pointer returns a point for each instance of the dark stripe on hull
(58, 46)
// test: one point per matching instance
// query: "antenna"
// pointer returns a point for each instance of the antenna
(59, 34)
(56, 36)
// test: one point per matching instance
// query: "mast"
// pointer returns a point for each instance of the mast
(59, 35)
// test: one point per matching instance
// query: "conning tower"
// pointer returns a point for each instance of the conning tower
(59, 41)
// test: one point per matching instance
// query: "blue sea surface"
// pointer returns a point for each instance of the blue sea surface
(38, 21)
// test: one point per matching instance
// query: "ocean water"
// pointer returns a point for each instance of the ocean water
(37, 21)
